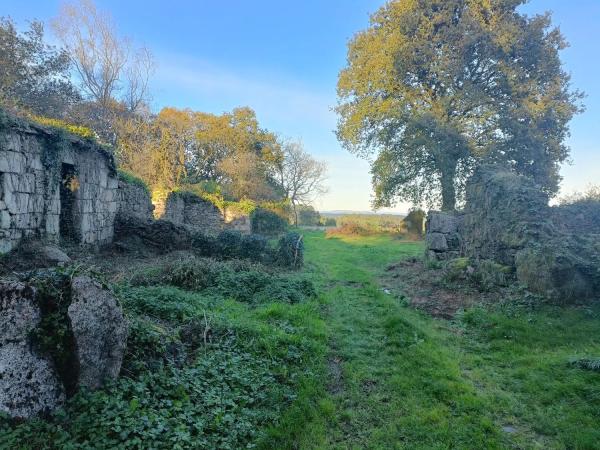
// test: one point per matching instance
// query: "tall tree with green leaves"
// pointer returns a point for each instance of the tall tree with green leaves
(434, 87)
(34, 76)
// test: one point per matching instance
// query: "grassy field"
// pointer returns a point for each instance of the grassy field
(371, 223)
(230, 355)
(492, 378)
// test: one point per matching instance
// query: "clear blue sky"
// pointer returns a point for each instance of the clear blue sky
(282, 59)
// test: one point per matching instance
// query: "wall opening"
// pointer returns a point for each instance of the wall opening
(68, 222)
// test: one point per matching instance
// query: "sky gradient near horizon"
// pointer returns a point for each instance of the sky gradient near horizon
(282, 59)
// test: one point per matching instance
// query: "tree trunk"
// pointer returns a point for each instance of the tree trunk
(295, 214)
(448, 191)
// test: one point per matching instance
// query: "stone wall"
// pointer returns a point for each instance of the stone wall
(33, 162)
(237, 220)
(443, 238)
(551, 251)
(185, 208)
(135, 201)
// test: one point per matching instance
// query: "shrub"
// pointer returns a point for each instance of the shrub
(78, 130)
(267, 222)
(229, 243)
(415, 222)
(253, 246)
(204, 244)
(350, 229)
(290, 250)
(328, 222)
(307, 215)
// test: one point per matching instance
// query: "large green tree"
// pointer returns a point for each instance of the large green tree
(34, 76)
(434, 87)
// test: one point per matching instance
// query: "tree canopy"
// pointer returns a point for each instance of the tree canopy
(434, 87)
(34, 75)
(178, 146)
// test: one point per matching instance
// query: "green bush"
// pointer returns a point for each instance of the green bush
(290, 250)
(253, 246)
(229, 243)
(328, 222)
(307, 215)
(263, 221)
(415, 222)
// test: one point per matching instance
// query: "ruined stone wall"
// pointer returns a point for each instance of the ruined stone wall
(552, 251)
(96, 199)
(184, 208)
(237, 220)
(31, 162)
(134, 201)
(443, 235)
(581, 217)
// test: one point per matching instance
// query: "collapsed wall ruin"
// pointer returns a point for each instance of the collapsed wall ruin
(54, 185)
(185, 208)
(188, 209)
(553, 251)
(62, 188)
(134, 201)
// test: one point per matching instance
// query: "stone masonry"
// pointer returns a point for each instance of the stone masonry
(37, 167)
(443, 238)
(185, 208)
(135, 201)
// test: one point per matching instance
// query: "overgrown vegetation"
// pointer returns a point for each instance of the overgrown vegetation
(288, 252)
(78, 130)
(266, 222)
(217, 351)
(234, 354)
(130, 178)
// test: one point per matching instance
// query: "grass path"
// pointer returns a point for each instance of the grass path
(396, 387)
(395, 378)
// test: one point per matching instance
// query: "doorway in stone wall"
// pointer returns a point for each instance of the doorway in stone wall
(68, 222)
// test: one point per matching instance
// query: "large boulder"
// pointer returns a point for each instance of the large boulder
(135, 235)
(99, 329)
(29, 383)
(19, 312)
(55, 255)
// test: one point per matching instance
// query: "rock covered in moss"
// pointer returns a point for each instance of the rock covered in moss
(100, 331)
(29, 383)
(565, 268)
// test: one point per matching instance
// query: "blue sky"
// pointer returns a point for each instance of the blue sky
(282, 59)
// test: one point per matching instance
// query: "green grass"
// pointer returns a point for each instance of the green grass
(494, 378)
